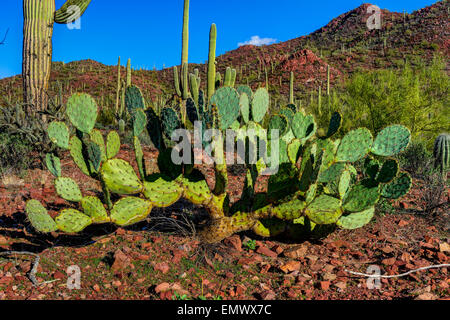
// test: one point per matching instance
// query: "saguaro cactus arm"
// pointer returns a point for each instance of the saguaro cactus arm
(65, 15)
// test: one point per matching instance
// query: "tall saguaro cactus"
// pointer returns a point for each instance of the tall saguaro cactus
(39, 18)
(212, 61)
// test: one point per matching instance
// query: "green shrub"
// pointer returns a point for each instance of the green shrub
(14, 153)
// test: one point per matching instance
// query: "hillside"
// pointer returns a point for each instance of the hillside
(344, 43)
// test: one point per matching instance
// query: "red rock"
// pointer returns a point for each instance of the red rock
(296, 252)
(268, 295)
(403, 223)
(96, 288)
(290, 266)
(266, 251)
(389, 262)
(240, 289)
(162, 287)
(162, 266)
(6, 280)
(325, 285)
(59, 275)
(120, 232)
(277, 249)
(121, 261)
(234, 242)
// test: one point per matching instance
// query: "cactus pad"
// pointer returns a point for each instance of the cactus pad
(388, 171)
(72, 221)
(269, 227)
(245, 89)
(360, 197)
(139, 122)
(112, 144)
(280, 123)
(97, 137)
(134, 100)
(293, 150)
(332, 173)
(355, 145)
(58, 133)
(288, 113)
(120, 177)
(398, 187)
(196, 190)
(324, 210)
(82, 111)
(53, 164)
(260, 104)
(391, 141)
(356, 220)
(162, 192)
(303, 126)
(170, 121)
(68, 189)
(93, 207)
(335, 124)
(226, 99)
(244, 104)
(39, 218)
(344, 183)
(76, 151)
(130, 210)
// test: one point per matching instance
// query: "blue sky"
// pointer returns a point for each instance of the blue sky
(149, 31)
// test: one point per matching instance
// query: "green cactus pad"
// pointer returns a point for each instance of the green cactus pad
(39, 218)
(356, 220)
(371, 167)
(244, 104)
(68, 189)
(388, 171)
(154, 129)
(82, 112)
(72, 221)
(226, 99)
(245, 89)
(162, 192)
(260, 104)
(241, 221)
(311, 193)
(335, 124)
(332, 173)
(355, 145)
(130, 210)
(344, 183)
(139, 157)
(170, 121)
(398, 187)
(196, 190)
(191, 110)
(269, 227)
(112, 144)
(280, 123)
(139, 122)
(95, 156)
(391, 141)
(289, 210)
(93, 207)
(303, 126)
(293, 150)
(361, 197)
(324, 210)
(97, 137)
(288, 113)
(76, 151)
(58, 133)
(120, 178)
(134, 100)
(53, 164)
(166, 165)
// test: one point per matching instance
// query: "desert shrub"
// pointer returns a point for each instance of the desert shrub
(14, 153)
(434, 189)
(416, 159)
(417, 98)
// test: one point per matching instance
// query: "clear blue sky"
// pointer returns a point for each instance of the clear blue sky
(149, 31)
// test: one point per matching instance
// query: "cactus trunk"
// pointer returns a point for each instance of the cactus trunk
(37, 51)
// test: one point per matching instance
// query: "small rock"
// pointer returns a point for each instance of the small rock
(329, 276)
(116, 283)
(266, 251)
(162, 287)
(268, 295)
(295, 252)
(234, 242)
(403, 223)
(277, 249)
(341, 285)
(325, 285)
(58, 275)
(443, 247)
(290, 266)
(162, 266)
(96, 288)
(389, 262)
(121, 261)
(427, 296)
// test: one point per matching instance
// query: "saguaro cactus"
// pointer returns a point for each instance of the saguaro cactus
(212, 61)
(39, 18)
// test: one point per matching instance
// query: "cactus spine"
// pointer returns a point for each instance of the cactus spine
(211, 85)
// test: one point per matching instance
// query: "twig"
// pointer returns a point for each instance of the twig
(400, 275)
(4, 38)
(33, 271)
